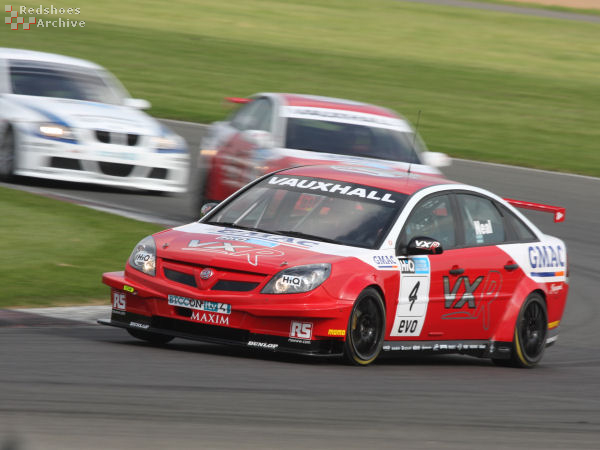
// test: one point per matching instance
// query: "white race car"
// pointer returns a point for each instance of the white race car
(68, 119)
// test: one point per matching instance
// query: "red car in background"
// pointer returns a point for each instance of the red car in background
(274, 131)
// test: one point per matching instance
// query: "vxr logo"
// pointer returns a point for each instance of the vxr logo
(478, 306)
(227, 248)
(14, 20)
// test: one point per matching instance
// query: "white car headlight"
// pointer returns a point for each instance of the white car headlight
(298, 279)
(56, 131)
(170, 142)
(143, 256)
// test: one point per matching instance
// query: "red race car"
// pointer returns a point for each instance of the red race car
(350, 260)
(273, 131)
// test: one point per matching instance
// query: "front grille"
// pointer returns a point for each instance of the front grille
(158, 173)
(237, 286)
(132, 139)
(108, 137)
(199, 329)
(180, 277)
(116, 169)
(65, 163)
(103, 136)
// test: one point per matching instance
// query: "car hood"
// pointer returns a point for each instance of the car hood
(243, 250)
(84, 114)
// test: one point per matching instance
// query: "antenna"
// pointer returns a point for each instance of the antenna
(414, 141)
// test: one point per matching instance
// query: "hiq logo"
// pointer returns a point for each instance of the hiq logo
(14, 20)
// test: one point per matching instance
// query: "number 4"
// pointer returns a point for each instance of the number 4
(412, 297)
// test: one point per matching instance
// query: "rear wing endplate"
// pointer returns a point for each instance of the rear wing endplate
(558, 211)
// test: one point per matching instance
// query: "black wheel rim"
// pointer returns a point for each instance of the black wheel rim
(366, 328)
(533, 330)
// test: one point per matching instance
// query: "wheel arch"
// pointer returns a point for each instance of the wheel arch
(506, 327)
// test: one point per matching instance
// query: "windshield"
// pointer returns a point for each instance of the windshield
(318, 209)
(62, 81)
(351, 139)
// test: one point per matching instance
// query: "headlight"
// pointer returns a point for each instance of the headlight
(298, 279)
(56, 131)
(171, 142)
(143, 256)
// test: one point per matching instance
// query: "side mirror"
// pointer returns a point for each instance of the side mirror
(436, 159)
(259, 138)
(422, 245)
(206, 208)
(137, 103)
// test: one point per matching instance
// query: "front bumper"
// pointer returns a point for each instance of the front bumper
(136, 166)
(274, 324)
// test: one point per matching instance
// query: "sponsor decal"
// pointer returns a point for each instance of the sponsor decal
(301, 330)
(385, 261)
(247, 236)
(477, 300)
(119, 301)
(128, 288)
(546, 260)
(250, 252)
(261, 242)
(426, 244)
(210, 318)
(482, 228)
(291, 280)
(141, 257)
(338, 189)
(139, 325)
(416, 266)
(413, 298)
(262, 345)
(199, 305)
(555, 289)
(343, 116)
(334, 332)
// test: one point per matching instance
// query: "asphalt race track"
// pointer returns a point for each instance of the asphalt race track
(75, 385)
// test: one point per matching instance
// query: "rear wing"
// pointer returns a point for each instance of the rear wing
(558, 211)
(238, 99)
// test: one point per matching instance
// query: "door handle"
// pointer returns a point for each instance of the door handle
(510, 267)
(457, 271)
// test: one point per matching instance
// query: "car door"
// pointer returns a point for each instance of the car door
(482, 278)
(461, 292)
(233, 165)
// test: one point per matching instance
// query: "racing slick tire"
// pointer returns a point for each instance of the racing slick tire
(153, 338)
(7, 155)
(531, 330)
(366, 328)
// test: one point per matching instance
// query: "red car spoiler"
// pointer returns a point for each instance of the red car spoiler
(238, 99)
(558, 211)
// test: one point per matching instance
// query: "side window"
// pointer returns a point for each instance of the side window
(255, 115)
(520, 229)
(482, 222)
(432, 218)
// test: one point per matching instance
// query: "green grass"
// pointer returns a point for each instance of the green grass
(491, 86)
(54, 253)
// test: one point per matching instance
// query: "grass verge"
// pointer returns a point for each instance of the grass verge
(54, 253)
